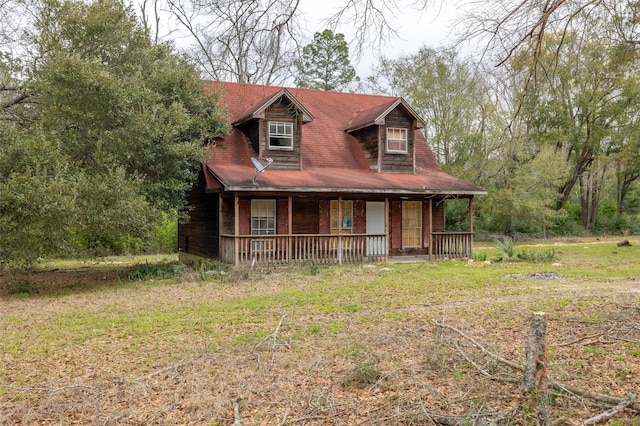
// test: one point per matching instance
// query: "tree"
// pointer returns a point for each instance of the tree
(325, 64)
(583, 109)
(250, 41)
(113, 136)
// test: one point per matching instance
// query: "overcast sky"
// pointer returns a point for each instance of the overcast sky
(431, 27)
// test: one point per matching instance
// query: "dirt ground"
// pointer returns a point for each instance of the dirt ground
(411, 365)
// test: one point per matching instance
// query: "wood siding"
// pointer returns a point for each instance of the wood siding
(395, 219)
(324, 222)
(397, 163)
(306, 216)
(227, 211)
(368, 139)
(199, 235)
(251, 131)
(439, 208)
(244, 216)
(282, 216)
(283, 159)
(359, 217)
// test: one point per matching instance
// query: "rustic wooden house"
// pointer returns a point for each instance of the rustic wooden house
(326, 177)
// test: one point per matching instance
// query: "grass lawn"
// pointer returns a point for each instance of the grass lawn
(149, 341)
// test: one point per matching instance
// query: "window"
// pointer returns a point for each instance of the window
(280, 135)
(341, 216)
(263, 217)
(411, 224)
(396, 140)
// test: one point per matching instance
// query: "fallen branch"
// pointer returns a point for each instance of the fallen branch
(558, 386)
(482, 348)
(470, 361)
(165, 369)
(273, 336)
(50, 389)
(603, 417)
(606, 399)
(573, 342)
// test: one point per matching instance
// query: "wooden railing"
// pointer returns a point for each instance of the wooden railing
(452, 245)
(301, 248)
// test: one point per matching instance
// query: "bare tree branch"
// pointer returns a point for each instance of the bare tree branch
(243, 41)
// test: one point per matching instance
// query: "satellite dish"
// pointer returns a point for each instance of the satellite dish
(259, 166)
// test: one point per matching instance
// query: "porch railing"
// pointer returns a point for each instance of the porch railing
(301, 248)
(452, 245)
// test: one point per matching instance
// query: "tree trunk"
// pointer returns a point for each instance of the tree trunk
(535, 380)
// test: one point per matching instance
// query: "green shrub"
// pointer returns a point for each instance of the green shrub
(147, 271)
(538, 256)
(165, 235)
(480, 255)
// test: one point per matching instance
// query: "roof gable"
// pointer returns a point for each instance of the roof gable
(258, 111)
(378, 114)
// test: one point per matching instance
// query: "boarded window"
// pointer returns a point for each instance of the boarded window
(411, 224)
(341, 216)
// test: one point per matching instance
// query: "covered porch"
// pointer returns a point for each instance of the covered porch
(273, 229)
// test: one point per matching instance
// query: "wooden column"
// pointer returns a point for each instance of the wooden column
(430, 228)
(236, 229)
(471, 215)
(471, 227)
(386, 229)
(220, 225)
(340, 230)
(290, 231)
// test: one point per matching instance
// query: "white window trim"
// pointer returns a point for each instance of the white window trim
(405, 140)
(269, 134)
(255, 209)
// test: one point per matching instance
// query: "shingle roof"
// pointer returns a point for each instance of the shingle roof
(332, 158)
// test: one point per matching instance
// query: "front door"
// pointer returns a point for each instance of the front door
(376, 246)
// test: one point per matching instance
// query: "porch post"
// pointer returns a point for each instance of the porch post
(339, 230)
(430, 228)
(470, 254)
(236, 229)
(289, 229)
(386, 230)
(221, 256)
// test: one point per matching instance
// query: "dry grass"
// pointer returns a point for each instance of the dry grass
(351, 345)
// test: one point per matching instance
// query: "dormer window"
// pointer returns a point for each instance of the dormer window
(280, 135)
(396, 140)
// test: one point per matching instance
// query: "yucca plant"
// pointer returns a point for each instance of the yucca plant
(507, 246)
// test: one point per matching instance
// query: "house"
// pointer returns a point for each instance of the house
(313, 176)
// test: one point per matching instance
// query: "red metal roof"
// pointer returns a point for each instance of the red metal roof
(332, 159)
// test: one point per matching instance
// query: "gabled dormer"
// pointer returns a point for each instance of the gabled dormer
(274, 129)
(386, 135)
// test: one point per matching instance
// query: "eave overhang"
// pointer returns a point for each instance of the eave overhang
(260, 187)
(325, 190)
